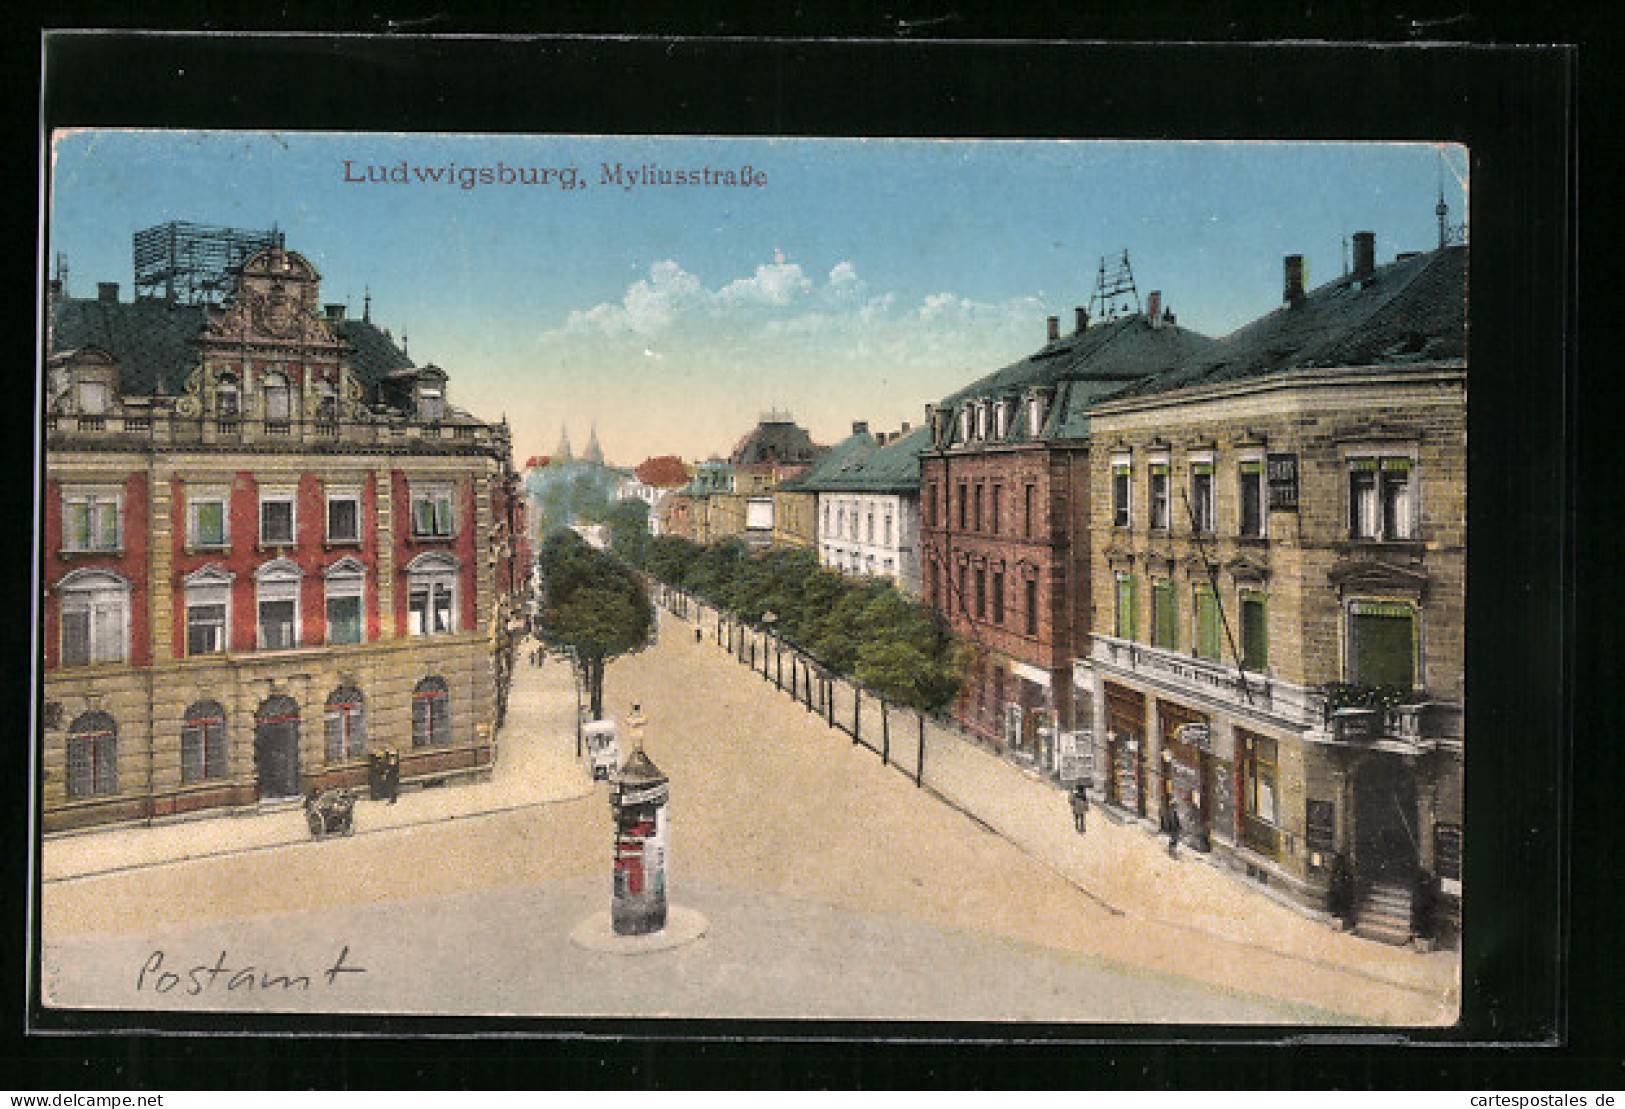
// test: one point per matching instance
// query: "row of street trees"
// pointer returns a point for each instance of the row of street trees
(593, 607)
(863, 628)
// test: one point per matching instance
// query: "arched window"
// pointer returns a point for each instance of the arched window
(327, 401)
(95, 617)
(278, 397)
(346, 580)
(93, 755)
(277, 588)
(431, 712)
(203, 742)
(346, 724)
(431, 603)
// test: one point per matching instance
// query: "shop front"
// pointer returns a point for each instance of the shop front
(1125, 748)
(1188, 772)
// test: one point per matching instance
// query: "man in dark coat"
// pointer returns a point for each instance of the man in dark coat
(1173, 830)
(1080, 805)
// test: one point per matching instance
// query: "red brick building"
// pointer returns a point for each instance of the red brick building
(1005, 519)
(270, 546)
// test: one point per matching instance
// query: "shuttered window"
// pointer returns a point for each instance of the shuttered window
(1128, 607)
(1208, 631)
(1254, 632)
(1164, 615)
(431, 712)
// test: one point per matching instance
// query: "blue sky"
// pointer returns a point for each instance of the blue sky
(858, 280)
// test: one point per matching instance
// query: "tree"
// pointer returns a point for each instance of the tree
(629, 537)
(593, 606)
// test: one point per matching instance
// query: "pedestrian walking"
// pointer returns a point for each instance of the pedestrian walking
(1080, 805)
(1173, 830)
(699, 636)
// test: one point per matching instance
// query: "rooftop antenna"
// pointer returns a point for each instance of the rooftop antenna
(1114, 288)
(1345, 255)
(366, 306)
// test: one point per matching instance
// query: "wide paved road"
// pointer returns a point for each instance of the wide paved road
(832, 886)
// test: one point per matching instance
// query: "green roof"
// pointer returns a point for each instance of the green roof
(893, 468)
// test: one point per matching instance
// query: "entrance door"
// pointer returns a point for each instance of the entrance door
(276, 747)
(1386, 843)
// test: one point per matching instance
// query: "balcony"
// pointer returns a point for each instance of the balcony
(1203, 678)
(1400, 720)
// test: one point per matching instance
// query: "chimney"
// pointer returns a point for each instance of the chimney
(334, 311)
(904, 431)
(1153, 307)
(1293, 293)
(1054, 328)
(1365, 254)
(1083, 319)
(860, 427)
(107, 292)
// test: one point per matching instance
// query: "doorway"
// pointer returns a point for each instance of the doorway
(276, 747)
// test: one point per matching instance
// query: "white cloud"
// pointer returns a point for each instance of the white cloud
(775, 284)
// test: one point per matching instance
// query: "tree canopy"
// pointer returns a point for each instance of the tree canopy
(862, 627)
(592, 605)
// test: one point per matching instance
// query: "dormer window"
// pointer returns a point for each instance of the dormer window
(964, 424)
(1037, 412)
(431, 404)
(1001, 418)
(93, 397)
(227, 396)
(981, 420)
(327, 401)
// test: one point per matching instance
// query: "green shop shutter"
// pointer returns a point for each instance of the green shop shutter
(1207, 623)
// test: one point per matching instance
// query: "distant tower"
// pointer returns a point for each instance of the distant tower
(561, 453)
(1114, 289)
(594, 452)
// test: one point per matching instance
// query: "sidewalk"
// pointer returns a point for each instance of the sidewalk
(536, 765)
(1128, 872)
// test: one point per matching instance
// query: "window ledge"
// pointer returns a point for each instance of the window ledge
(206, 548)
(419, 538)
(341, 544)
(90, 552)
(279, 548)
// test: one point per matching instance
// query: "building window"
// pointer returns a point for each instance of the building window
(981, 419)
(208, 611)
(203, 742)
(346, 721)
(432, 595)
(1128, 607)
(1032, 606)
(227, 397)
(869, 526)
(998, 597)
(93, 397)
(206, 518)
(964, 501)
(431, 512)
(276, 518)
(431, 712)
(981, 593)
(343, 516)
(977, 520)
(1120, 494)
(1159, 497)
(1382, 643)
(346, 581)
(1202, 497)
(963, 602)
(1252, 498)
(95, 618)
(92, 519)
(886, 536)
(92, 756)
(998, 509)
(431, 404)
(327, 401)
(1255, 632)
(278, 397)
(1001, 418)
(1259, 782)
(1382, 502)
(1208, 628)
(278, 600)
(1164, 615)
(1028, 496)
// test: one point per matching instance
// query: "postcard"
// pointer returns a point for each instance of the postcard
(567, 576)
